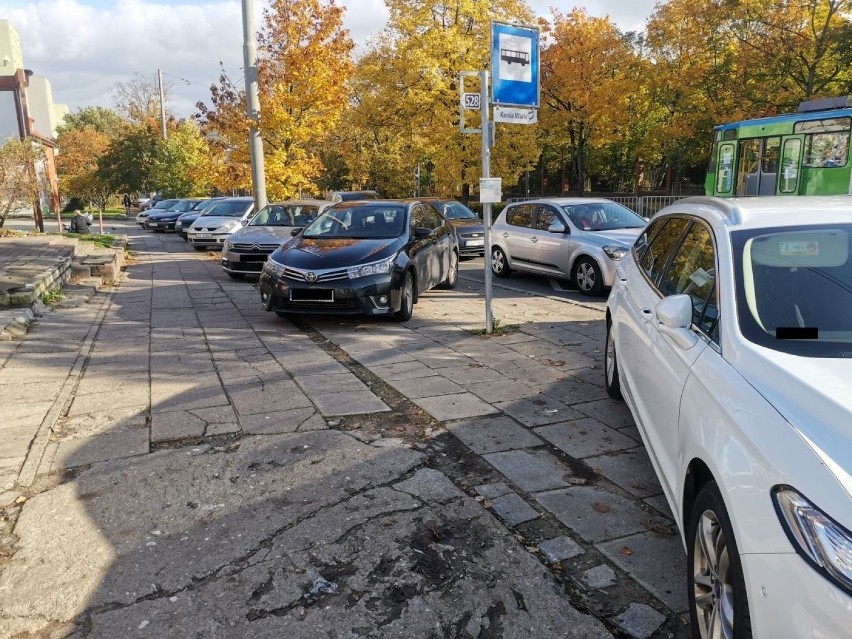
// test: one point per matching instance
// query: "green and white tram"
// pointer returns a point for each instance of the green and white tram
(803, 153)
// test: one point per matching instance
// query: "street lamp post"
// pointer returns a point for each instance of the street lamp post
(258, 176)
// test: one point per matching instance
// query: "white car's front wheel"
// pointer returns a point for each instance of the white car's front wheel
(717, 597)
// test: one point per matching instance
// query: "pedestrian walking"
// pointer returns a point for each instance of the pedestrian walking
(79, 223)
(127, 203)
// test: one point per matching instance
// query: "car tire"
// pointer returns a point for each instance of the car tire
(236, 276)
(587, 276)
(406, 293)
(611, 378)
(453, 275)
(718, 605)
(499, 263)
(198, 248)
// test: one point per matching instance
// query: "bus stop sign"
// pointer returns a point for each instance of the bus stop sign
(514, 65)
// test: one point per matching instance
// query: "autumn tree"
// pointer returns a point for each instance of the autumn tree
(138, 99)
(304, 64)
(19, 186)
(406, 98)
(588, 80)
(182, 164)
(77, 163)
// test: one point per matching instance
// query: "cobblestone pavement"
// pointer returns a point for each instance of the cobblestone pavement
(176, 461)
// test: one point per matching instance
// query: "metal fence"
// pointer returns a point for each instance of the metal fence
(644, 205)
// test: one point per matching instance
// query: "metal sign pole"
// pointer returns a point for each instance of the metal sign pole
(486, 206)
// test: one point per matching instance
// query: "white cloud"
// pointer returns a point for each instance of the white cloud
(85, 47)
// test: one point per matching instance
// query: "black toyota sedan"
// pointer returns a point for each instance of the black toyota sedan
(368, 257)
(165, 220)
(466, 224)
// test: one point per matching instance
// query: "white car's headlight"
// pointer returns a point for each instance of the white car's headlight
(226, 245)
(230, 225)
(823, 543)
(615, 253)
(373, 268)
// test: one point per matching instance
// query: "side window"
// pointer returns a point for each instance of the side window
(521, 215)
(545, 216)
(417, 218)
(692, 272)
(661, 246)
(430, 216)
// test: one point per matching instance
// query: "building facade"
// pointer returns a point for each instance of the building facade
(27, 111)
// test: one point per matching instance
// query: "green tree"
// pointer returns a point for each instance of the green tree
(180, 167)
(97, 118)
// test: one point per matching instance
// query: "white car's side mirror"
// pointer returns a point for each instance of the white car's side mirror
(674, 317)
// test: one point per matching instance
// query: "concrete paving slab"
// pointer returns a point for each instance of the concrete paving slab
(612, 413)
(285, 421)
(656, 561)
(175, 425)
(492, 491)
(584, 438)
(251, 398)
(459, 406)
(415, 388)
(402, 370)
(573, 391)
(348, 403)
(493, 434)
(95, 423)
(595, 514)
(599, 577)
(344, 381)
(501, 391)
(382, 357)
(630, 469)
(538, 411)
(660, 503)
(472, 374)
(101, 448)
(513, 510)
(531, 471)
(640, 621)
(431, 485)
(560, 548)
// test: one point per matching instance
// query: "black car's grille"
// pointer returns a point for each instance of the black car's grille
(241, 247)
(319, 276)
(348, 304)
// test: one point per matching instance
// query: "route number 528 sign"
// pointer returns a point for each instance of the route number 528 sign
(471, 100)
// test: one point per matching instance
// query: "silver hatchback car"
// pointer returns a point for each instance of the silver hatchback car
(581, 239)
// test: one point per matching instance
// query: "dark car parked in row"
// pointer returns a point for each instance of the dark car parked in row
(467, 225)
(372, 258)
(165, 220)
(352, 196)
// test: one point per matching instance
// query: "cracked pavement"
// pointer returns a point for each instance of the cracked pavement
(177, 462)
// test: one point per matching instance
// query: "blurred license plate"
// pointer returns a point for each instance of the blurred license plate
(203, 236)
(475, 243)
(311, 295)
(153, 224)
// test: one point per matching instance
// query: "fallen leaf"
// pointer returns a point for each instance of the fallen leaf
(626, 551)
(578, 481)
(600, 508)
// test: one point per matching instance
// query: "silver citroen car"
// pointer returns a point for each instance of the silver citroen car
(579, 239)
(245, 250)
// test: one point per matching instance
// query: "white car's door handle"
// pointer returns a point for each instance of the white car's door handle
(647, 315)
(533, 240)
(505, 235)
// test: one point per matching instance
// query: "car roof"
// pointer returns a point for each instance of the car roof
(308, 201)
(561, 201)
(768, 211)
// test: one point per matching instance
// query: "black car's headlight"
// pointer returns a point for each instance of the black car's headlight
(273, 268)
(373, 268)
(615, 253)
(823, 543)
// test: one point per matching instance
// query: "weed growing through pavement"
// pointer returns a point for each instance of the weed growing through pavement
(51, 297)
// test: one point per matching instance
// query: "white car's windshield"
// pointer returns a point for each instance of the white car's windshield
(795, 288)
(227, 208)
(285, 215)
(358, 222)
(602, 216)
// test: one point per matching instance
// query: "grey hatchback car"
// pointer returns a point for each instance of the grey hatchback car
(580, 239)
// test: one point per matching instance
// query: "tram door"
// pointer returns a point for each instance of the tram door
(757, 166)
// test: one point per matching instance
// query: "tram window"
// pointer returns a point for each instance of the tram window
(823, 126)
(771, 151)
(825, 150)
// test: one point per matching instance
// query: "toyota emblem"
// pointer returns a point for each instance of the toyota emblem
(311, 277)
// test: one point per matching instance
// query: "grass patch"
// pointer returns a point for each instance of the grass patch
(499, 329)
(104, 241)
(51, 297)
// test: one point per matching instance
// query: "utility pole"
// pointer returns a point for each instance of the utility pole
(486, 206)
(162, 104)
(258, 174)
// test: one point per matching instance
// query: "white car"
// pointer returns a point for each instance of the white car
(729, 335)
(217, 222)
(578, 239)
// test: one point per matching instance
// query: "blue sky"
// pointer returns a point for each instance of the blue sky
(85, 47)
